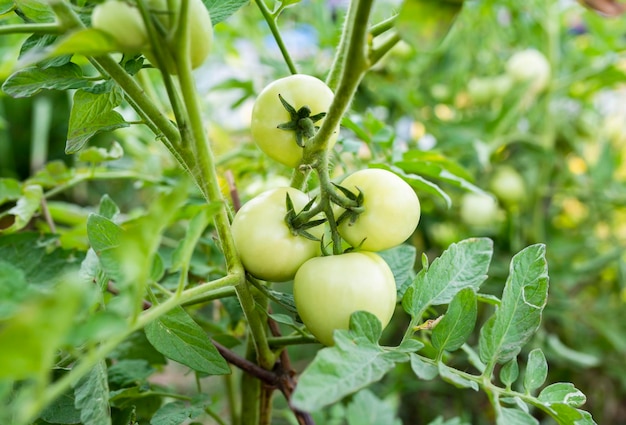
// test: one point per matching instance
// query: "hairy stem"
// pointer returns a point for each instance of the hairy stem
(271, 23)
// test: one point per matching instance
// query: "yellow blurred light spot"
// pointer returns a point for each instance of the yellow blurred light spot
(603, 230)
(418, 130)
(462, 100)
(444, 112)
(576, 165)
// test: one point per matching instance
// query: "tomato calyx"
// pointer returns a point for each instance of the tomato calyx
(301, 122)
(351, 213)
(295, 222)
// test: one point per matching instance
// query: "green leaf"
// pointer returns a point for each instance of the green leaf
(10, 190)
(512, 416)
(6, 6)
(352, 364)
(462, 265)
(91, 114)
(509, 372)
(36, 10)
(85, 42)
(178, 412)
(536, 370)
(13, 289)
(565, 414)
(62, 411)
(419, 183)
(104, 237)
(423, 369)
(220, 10)
(137, 346)
(562, 392)
(519, 315)
(425, 23)
(179, 338)
(457, 324)
(401, 260)
(26, 207)
(108, 208)
(96, 155)
(448, 374)
(30, 339)
(366, 408)
(92, 396)
(126, 372)
(30, 81)
(43, 265)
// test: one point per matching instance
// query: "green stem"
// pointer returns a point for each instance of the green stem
(53, 28)
(206, 177)
(284, 341)
(250, 391)
(97, 175)
(339, 61)
(271, 23)
(356, 56)
(378, 53)
(383, 26)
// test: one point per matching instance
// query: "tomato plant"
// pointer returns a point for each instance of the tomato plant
(123, 22)
(391, 210)
(128, 264)
(281, 133)
(327, 290)
(268, 248)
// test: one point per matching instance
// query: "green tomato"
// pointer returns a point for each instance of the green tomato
(122, 22)
(200, 29)
(508, 185)
(479, 210)
(267, 247)
(268, 113)
(529, 66)
(327, 290)
(391, 210)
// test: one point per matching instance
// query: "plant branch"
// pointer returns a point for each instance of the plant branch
(271, 23)
(266, 376)
(51, 28)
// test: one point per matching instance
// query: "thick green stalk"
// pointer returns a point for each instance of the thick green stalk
(205, 173)
(356, 56)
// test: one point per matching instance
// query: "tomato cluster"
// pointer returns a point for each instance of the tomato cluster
(124, 24)
(371, 210)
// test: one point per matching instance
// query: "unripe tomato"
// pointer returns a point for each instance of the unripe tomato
(200, 29)
(391, 210)
(268, 113)
(123, 22)
(508, 185)
(327, 290)
(478, 209)
(529, 66)
(267, 247)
